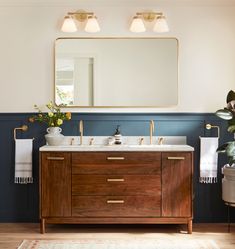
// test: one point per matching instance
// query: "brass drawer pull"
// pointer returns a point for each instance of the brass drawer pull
(55, 158)
(115, 180)
(115, 158)
(115, 201)
(175, 158)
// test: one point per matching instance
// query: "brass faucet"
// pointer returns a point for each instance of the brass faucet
(81, 131)
(151, 131)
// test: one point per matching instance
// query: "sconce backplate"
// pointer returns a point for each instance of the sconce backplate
(149, 16)
(81, 17)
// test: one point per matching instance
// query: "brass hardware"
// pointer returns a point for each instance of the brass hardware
(81, 131)
(209, 126)
(160, 140)
(115, 158)
(81, 15)
(175, 158)
(149, 16)
(141, 141)
(115, 180)
(160, 25)
(72, 140)
(115, 201)
(89, 20)
(151, 131)
(55, 158)
(91, 141)
(23, 128)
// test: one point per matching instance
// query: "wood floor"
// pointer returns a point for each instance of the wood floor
(11, 235)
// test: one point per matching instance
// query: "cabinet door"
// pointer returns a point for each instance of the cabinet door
(55, 184)
(177, 184)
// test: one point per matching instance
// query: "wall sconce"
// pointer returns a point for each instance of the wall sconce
(91, 26)
(160, 23)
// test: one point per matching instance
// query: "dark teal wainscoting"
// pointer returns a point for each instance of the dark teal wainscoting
(19, 203)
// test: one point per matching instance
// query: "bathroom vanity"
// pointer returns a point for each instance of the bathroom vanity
(116, 185)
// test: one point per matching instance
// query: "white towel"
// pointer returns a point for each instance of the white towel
(23, 161)
(208, 159)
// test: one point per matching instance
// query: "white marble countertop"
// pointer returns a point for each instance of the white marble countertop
(73, 148)
(129, 143)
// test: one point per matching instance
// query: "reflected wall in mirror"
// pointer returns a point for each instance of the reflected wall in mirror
(116, 72)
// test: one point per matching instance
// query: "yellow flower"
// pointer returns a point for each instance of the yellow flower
(59, 121)
(50, 114)
(31, 120)
(49, 105)
(68, 115)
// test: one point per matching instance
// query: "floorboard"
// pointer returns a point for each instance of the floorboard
(12, 234)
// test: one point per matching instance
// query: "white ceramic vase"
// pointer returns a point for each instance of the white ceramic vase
(54, 136)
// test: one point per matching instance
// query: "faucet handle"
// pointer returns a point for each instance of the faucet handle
(72, 141)
(91, 141)
(141, 141)
(160, 140)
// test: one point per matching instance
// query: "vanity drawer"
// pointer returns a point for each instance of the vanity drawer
(118, 206)
(121, 169)
(115, 157)
(116, 185)
(116, 163)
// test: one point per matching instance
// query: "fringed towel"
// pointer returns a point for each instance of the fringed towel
(23, 161)
(208, 159)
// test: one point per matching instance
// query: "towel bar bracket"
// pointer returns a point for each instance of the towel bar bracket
(209, 126)
(23, 128)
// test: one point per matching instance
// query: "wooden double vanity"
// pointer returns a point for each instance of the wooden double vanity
(116, 187)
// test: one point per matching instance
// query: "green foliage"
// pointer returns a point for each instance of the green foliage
(230, 96)
(228, 113)
(54, 116)
(229, 149)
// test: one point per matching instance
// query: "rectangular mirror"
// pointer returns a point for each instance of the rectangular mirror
(116, 72)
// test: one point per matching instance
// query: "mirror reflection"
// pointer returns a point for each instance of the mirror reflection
(116, 72)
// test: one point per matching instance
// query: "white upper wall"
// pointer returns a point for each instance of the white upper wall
(205, 30)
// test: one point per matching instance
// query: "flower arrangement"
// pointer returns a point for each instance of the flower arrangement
(53, 118)
(228, 113)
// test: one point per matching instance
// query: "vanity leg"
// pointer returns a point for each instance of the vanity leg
(190, 226)
(42, 226)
